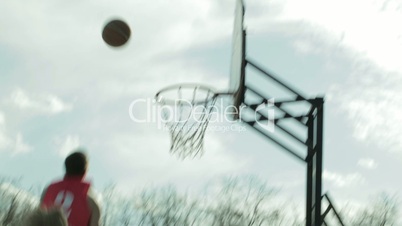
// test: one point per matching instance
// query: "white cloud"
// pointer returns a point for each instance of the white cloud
(4, 140)
(371, 100)
(340, 180)
(19, 146)
(84, 67)
(304, 47)
(367, 27)
(15, 145)
(367, 163)
(40, 103)
(367, 34)
(8, 142)
(67, 145)
(132, 153)
(2, 119)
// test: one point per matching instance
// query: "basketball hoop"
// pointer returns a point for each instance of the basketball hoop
(186, 110)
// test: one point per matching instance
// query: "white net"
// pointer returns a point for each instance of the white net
(186, 110)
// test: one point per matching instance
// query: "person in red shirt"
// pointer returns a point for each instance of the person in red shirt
(72, 194)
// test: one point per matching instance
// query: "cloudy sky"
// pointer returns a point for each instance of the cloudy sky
(62, 87)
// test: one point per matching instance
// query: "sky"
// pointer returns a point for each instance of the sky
(62, 87)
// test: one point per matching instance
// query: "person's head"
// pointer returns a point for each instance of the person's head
(52, 217)
(76, 164)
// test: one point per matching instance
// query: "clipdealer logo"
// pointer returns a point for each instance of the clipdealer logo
(265, 115)
(184, 111)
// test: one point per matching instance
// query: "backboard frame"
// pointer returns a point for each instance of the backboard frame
(238, 59)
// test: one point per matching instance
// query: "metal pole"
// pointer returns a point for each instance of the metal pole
(318, 160)
(314, 163)
(309, 182)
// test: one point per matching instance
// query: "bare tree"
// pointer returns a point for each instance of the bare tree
(244, 201)
(127, 213)
(240, 201)
(382, 212)
(109, 205)
(14, 204)
(167, 207)
(11, 212)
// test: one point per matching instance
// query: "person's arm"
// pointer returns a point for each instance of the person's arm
(95, 212)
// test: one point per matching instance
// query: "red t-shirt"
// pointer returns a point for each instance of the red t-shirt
(71, 195)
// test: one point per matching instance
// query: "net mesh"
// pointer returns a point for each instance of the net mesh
(186, 112)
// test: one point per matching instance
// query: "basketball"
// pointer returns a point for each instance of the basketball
(116, 33)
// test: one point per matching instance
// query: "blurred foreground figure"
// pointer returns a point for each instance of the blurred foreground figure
(53, 217)
(72, 194)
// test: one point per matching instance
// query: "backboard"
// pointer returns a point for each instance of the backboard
(237, 67)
